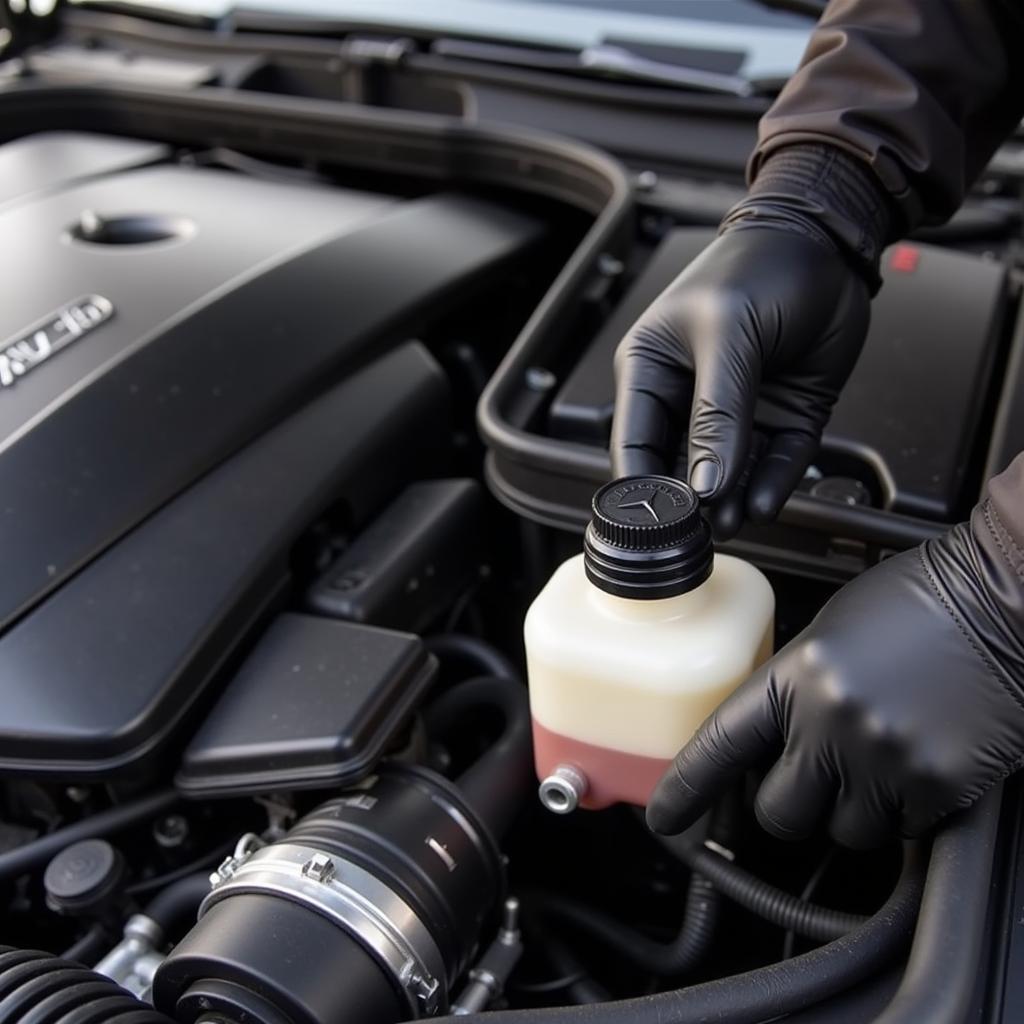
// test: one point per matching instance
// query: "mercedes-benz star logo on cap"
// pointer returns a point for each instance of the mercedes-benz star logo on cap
(645, 503)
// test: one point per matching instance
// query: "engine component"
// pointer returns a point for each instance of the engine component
(387, 887)
(82, 878)
(134, 960)
(38, 851)
(184, 347)
(47, 160)
(416, 558)
(776, 990)
(692, 943)
(178, 903)
(276, 308)
(36, 987)
(488, 978)
(497, 782)
(172, 555)
(152, 619)
(316, 703)
(473, 652)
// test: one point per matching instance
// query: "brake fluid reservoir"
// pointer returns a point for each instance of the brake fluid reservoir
(632, 644)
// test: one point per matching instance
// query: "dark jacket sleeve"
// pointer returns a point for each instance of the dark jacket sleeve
(1004, 509)
(998, 526)
(922, 90)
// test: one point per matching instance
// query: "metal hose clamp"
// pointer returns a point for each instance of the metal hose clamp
(358, 902)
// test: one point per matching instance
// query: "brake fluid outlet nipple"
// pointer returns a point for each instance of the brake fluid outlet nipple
(562, 791)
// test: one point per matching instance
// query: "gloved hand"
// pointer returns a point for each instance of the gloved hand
(770, 319)
(903, 700)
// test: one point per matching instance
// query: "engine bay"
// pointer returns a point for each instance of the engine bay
(301, 404)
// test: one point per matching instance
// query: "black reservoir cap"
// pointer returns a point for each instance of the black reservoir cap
(83, 877)
(647, 539)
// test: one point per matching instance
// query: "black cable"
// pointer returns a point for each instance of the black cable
(37, 852)
(668, 960)
(479, 653)
(178, 902)
(767, 901)
(90, 947)
(459, 608)
(700, 914)
(541, 988)
(209, 859)
(581, 988)
(806, 895)
(767, 992)
(584, 990)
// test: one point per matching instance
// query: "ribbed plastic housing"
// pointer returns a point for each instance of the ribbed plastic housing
(38, 988)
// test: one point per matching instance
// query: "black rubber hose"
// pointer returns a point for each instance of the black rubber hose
(39, 851)
(583, 990)
(179, 902)
(479, 653)
(668, 960)
(700, 913)
(498, 782)
(942, 973)
(580, 987)
(767, 992)
(90, 947)
(767, 901)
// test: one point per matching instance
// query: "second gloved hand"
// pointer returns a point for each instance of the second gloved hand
(747, 350)
(902, 701)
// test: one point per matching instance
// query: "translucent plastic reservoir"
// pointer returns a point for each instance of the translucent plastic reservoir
(618, 685)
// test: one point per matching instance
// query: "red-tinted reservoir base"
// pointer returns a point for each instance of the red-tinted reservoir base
(612, 776)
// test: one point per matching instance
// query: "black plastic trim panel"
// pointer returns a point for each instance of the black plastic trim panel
(97, 676)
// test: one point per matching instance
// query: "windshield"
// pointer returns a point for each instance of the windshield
(769, 41)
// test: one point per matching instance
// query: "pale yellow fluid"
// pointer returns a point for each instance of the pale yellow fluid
(640, 676)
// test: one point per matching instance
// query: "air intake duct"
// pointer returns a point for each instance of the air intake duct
(368, 910)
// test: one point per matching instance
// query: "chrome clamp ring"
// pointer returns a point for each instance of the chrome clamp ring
(362, 905)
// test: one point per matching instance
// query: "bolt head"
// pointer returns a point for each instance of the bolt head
(647, 181)
(171, 831)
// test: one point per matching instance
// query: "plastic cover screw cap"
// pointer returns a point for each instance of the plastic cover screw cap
(82, 876)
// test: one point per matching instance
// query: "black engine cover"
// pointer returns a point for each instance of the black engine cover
(156, 465)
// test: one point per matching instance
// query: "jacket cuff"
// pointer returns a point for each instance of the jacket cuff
(824, 192)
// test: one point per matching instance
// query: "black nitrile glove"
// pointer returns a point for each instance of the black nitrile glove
(902, 701)
(770, 318)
